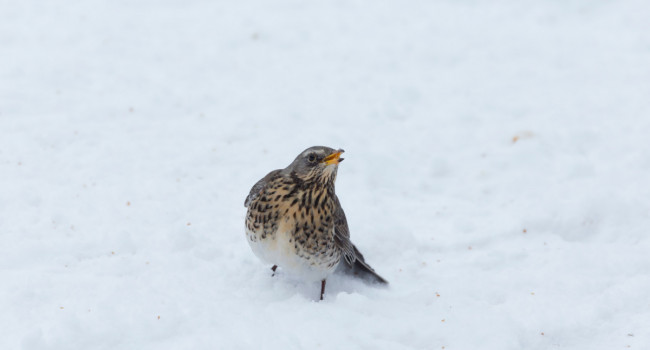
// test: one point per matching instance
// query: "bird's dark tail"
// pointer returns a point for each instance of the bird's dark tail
(361, 269)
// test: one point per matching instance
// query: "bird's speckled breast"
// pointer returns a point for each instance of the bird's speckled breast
(290, 224)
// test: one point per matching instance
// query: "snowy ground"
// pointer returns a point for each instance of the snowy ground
(497, 172)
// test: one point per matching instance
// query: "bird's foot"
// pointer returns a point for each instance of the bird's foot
(322, 289)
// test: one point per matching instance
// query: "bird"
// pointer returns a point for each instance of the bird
(295, 221)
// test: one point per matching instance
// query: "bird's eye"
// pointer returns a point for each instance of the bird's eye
(311, 158)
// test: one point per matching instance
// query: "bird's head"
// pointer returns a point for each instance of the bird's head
(317, 164)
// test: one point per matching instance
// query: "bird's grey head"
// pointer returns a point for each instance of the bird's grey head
(317, 164)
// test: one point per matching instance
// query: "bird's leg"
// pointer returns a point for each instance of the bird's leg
(273, 268)
(322, 289)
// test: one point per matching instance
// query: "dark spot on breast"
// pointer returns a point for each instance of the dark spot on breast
(317, 199)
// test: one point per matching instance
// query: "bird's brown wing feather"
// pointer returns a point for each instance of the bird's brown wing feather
(259, 186)
(355, 263)
(342, 234)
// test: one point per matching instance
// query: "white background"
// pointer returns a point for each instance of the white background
(497, 172)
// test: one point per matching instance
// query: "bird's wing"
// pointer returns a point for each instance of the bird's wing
(259, 186)
(342, 234)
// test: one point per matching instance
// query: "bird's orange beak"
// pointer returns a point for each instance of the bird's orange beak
(333, 158)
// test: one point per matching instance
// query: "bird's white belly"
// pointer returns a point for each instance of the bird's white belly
(279, 249)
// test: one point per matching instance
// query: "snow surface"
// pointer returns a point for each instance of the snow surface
(497, 172)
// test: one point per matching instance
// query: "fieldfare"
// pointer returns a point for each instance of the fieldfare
(295, 220)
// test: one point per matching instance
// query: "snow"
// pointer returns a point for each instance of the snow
(496, 172)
